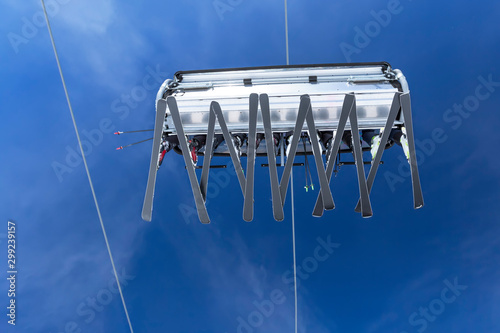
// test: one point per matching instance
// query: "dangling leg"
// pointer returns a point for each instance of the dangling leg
(399, 137)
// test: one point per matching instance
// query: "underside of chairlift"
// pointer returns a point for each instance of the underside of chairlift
(238, 112)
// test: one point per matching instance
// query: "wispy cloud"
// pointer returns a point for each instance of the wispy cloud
(91, 16)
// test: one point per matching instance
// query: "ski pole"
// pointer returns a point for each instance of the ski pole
(132, 144)
(119, 132)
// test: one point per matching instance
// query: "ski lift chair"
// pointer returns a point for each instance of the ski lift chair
(238, 112)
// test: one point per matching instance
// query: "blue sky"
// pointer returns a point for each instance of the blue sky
(181, 276)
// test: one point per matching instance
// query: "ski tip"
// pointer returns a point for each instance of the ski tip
(119, 148)
(279, 216)
(118, 133)
(248, 217)
(330, 206)
(318, 212)
(146, 217)
(358, 208)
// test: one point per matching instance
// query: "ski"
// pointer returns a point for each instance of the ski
(147, 207)
(278, 212)
(418, 199)
(347, 107)
(198, 197)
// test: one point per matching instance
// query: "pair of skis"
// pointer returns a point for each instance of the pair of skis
(279, 188)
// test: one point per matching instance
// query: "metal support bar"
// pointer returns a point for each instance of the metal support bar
(347, 107)
(198, 197)
(147, 207)
(383, 141)
(418, 199)
(366, 209)
(271, 156)
(252, 143)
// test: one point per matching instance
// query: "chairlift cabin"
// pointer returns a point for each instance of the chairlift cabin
(282, 111)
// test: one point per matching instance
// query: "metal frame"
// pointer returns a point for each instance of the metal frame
(374, 85)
